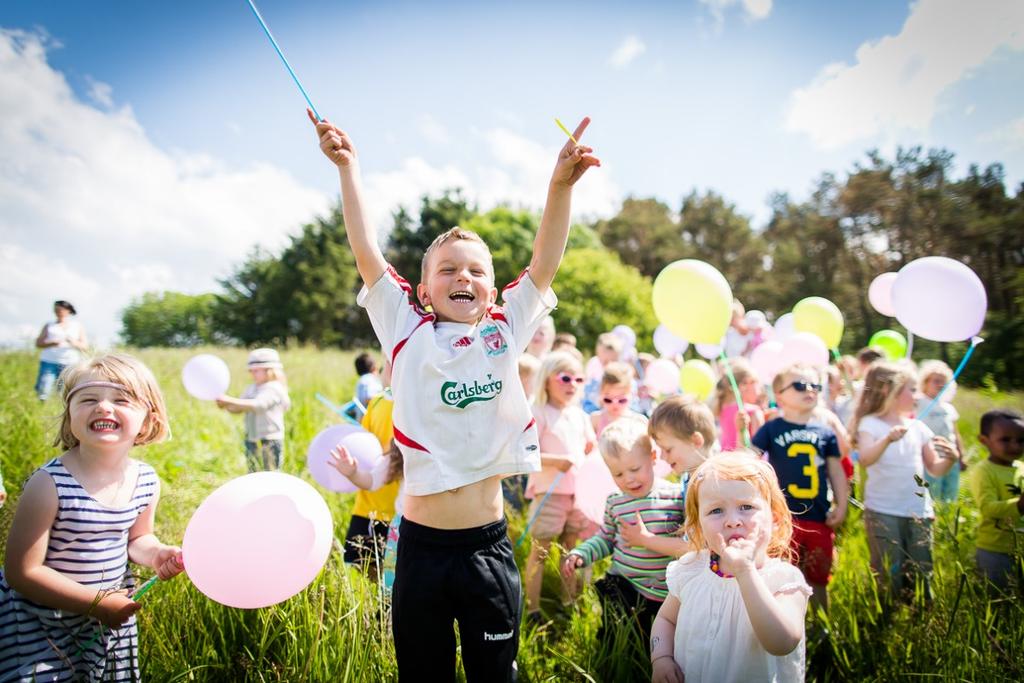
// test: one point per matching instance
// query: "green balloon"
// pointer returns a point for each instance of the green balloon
(892, 343)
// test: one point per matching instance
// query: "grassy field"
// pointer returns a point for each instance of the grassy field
(337, 630)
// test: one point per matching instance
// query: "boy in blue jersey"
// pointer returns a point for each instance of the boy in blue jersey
(806, 459)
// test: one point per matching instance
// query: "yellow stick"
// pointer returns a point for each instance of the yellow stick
(566, 131)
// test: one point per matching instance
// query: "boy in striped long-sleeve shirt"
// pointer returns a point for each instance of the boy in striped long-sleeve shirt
(638, 531)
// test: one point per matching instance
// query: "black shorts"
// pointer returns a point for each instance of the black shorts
(621, 600)
(364, 542)
(464, 575)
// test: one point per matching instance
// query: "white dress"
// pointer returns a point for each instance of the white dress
(714, 640)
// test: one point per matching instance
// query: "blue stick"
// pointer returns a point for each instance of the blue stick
(540, 507)
(340, 410)
(924, 413)
(286, 64)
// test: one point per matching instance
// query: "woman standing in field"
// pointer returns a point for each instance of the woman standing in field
(62, 342)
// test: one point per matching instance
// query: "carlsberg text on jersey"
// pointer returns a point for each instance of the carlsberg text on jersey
(461, 394)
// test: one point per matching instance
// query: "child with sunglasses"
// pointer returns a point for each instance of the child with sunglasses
(566, 437)
(806, 458)
(615, 396)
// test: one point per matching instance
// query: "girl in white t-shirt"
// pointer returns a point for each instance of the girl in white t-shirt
(62, 342)
(735, 609)
(897, 451)
(565, 437)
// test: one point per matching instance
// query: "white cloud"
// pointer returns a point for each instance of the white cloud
(95, 213)
(895, 83)
(630, 48)
(1011, 135)
(432, 130)
(753, 10)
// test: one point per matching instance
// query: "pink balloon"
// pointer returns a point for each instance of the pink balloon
(662, 376)
(806, 348)
(661, 468)
(594, 484)
(939, 299)
(363, 446)
(880, 294)
(767, 359)
(257, 540)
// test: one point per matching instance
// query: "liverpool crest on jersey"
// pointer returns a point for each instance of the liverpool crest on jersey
(494, 343)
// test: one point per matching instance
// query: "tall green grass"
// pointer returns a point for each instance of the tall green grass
(337, 629)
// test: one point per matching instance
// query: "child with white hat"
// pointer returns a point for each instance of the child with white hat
(264, 403)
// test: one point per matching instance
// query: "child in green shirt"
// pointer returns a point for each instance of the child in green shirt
(996, 486)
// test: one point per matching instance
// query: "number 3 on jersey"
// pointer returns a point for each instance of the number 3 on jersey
(810, 469)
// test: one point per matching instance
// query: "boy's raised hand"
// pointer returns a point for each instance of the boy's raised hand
(334, 143)
(635, 533)
(574, 160)
(341, 460)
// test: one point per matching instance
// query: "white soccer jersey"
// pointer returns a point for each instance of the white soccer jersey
(460, 412)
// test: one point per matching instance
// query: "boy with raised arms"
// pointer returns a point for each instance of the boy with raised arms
(461, 420)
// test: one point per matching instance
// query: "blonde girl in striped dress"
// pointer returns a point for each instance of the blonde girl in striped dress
(66, 611)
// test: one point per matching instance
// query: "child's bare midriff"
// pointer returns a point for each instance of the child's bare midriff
(470, 506)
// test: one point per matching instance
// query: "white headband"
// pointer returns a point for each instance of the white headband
(108, 385)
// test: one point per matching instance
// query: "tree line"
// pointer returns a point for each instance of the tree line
(882, 215)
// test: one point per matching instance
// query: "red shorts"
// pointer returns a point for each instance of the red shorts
(812, 545)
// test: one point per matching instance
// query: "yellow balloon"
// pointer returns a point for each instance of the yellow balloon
(693, 300)
(697, 378)
(820, 317)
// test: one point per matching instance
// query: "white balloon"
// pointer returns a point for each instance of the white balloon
(767, 360)
(804, 348)
(880, 294)
(940, 299)
(206, 376)
(668, 344)
(784, 327)
(627, 335)
(709, 351)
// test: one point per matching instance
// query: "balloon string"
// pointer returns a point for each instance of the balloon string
(924, 413)
(286, 64)
(736, 394)
(540, 506)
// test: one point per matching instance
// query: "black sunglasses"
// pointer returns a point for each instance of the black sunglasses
(803, 386)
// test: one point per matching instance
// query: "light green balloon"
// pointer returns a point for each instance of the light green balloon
(892, 343)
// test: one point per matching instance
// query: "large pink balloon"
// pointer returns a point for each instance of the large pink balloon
(662, 376)
(805, 348)
(594, 484)
(257, 540)
(363, 446)
(767, 360)
(939, 299)
(880, 294)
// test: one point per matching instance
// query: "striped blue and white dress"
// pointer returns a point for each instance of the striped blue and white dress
(88, 544)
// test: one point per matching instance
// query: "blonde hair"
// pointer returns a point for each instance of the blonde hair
(881, 386)
(741, 371)
(554, 362)
(732, 466)
(276, 375)
(455, 233)
(626, 435)
(930, 368)
(617, 374)
(609, 341)
(780, 381)
(140, 385)
(682, 417)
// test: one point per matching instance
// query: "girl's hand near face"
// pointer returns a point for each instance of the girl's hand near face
(739, 556)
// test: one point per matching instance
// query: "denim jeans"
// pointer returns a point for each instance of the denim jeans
(901, 551)
(263, 455)
(49, 373)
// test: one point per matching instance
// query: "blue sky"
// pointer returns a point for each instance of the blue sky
(150, 145)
